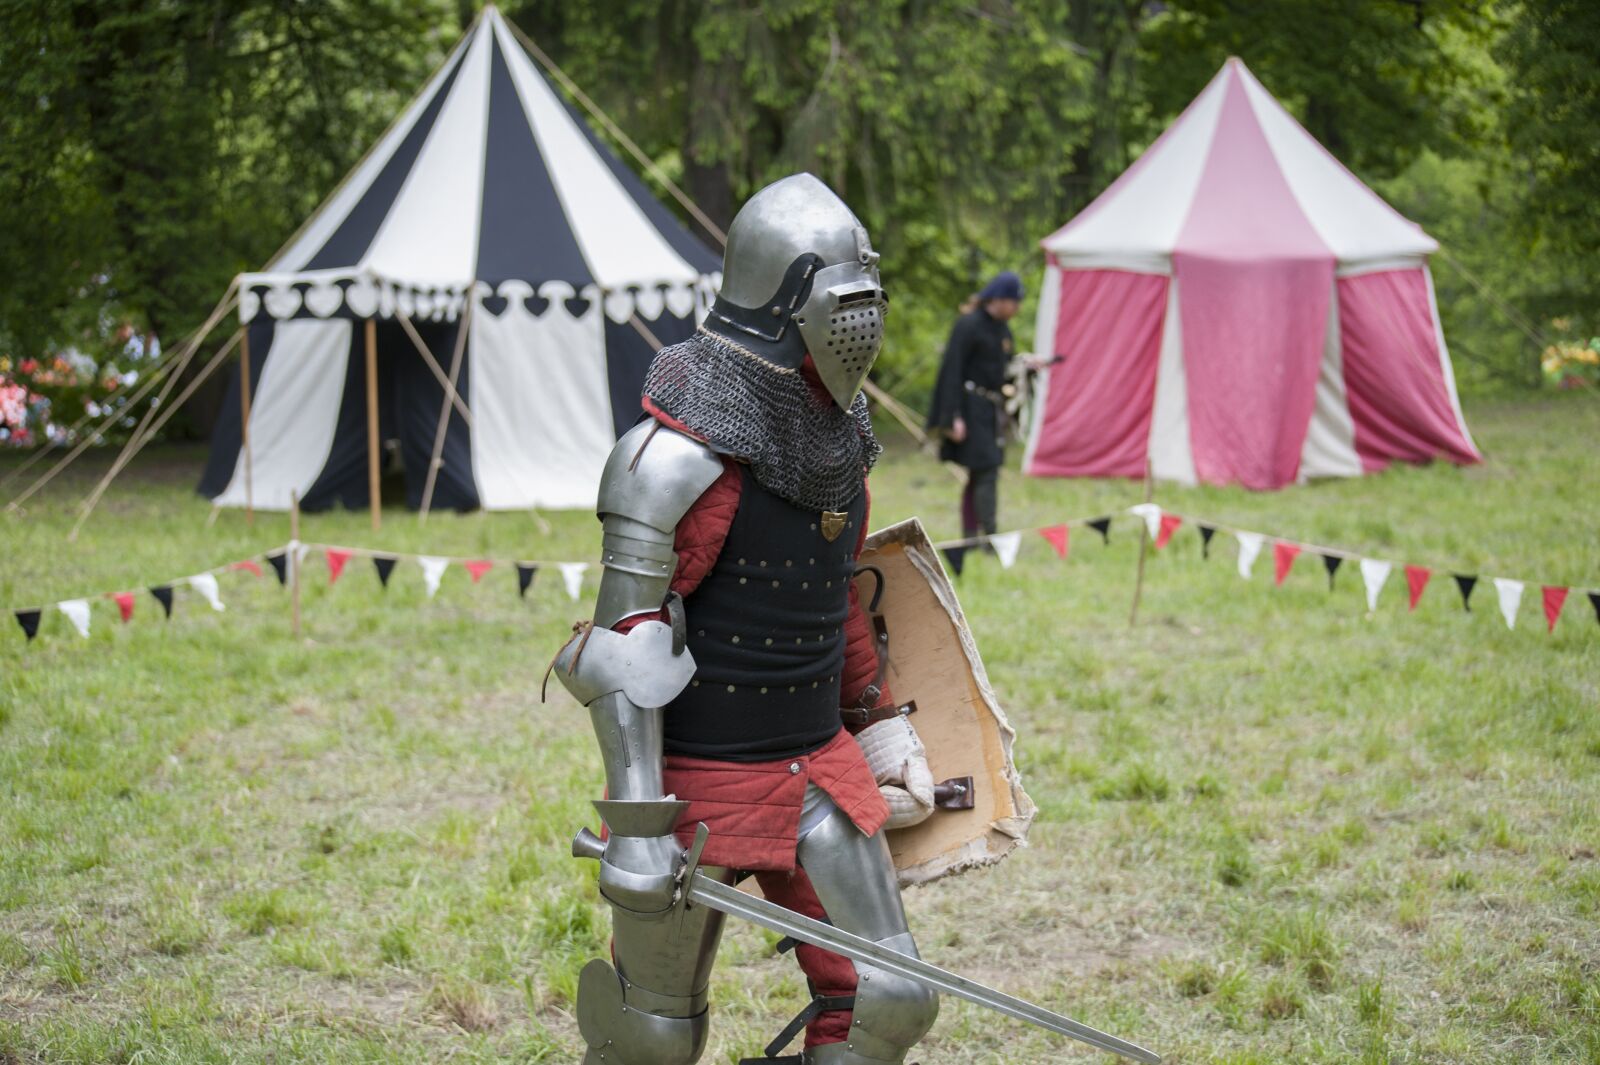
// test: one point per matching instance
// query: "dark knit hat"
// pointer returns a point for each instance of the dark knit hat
(1006, 286)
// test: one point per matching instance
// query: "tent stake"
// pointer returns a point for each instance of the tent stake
(374, 501)
(1144, 543)
(293, 561)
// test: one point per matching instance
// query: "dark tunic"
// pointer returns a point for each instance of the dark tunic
(979, 350)
(766, 628)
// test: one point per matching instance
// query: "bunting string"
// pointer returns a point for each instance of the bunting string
(204, 583)
(1161, 525)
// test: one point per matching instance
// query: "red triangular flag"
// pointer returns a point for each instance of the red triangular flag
(249, 565)
(1169, 525)
(1057, 535)
(1283, 556)
(336, 561)
(477, 569)
(1554, 598)
(125, 604)
(1416, 581)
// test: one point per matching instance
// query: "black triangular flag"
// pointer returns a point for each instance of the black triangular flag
(29, 620)
(280, 566)
(1103, 527)
(1331, 564)
(524, 579)
(1466, 582)
(956, 557)
(163, 594)
(385, 566)
(1594, 598)
(1206, 533)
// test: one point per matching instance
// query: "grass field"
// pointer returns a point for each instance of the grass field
(1272, 828)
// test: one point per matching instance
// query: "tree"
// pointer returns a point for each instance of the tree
(152, 150)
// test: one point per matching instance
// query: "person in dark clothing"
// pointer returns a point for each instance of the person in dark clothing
(969, 401)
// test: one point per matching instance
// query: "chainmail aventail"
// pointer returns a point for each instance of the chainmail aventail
(800, 447)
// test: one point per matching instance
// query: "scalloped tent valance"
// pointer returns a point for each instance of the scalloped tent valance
(349, 296)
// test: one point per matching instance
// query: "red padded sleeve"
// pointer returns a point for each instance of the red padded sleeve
(860, 650)
(703, 530)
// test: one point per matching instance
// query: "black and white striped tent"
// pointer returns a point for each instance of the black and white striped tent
(490, 207)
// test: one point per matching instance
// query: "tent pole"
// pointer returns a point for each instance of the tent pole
(244, 427)
(374, 502)
(450, 398)
(433, 364)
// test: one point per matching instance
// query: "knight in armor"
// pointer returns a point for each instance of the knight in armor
(727, 636)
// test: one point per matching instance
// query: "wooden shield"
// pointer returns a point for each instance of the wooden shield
(933, 661)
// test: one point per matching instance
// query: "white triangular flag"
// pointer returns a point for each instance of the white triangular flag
(206, 585)
(1374, 572)
(1510, 593)
(432, 572)
(1249, 548)
(572, 577)
(1151, 513)
(1006, 545)
(77, 611)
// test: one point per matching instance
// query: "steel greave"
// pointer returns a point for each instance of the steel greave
(854, 879)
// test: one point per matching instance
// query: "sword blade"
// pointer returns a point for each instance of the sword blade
(727, 899)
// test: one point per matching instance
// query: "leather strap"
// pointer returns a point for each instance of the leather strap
(861, 716)
(818, 1004)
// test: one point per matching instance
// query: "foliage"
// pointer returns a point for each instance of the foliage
(152, 150)
(1570, 364)
(155, 149)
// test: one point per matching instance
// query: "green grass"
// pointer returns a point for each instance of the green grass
(1272, 828)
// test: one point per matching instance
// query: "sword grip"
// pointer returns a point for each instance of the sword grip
(588, 845)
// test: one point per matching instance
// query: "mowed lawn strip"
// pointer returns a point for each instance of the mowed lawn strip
(1272, 827)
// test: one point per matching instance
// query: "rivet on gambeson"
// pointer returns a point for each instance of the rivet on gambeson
(736, 639)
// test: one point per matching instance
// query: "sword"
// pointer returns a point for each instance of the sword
(699, 889)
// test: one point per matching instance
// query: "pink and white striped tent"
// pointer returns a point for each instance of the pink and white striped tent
(1239, 308)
